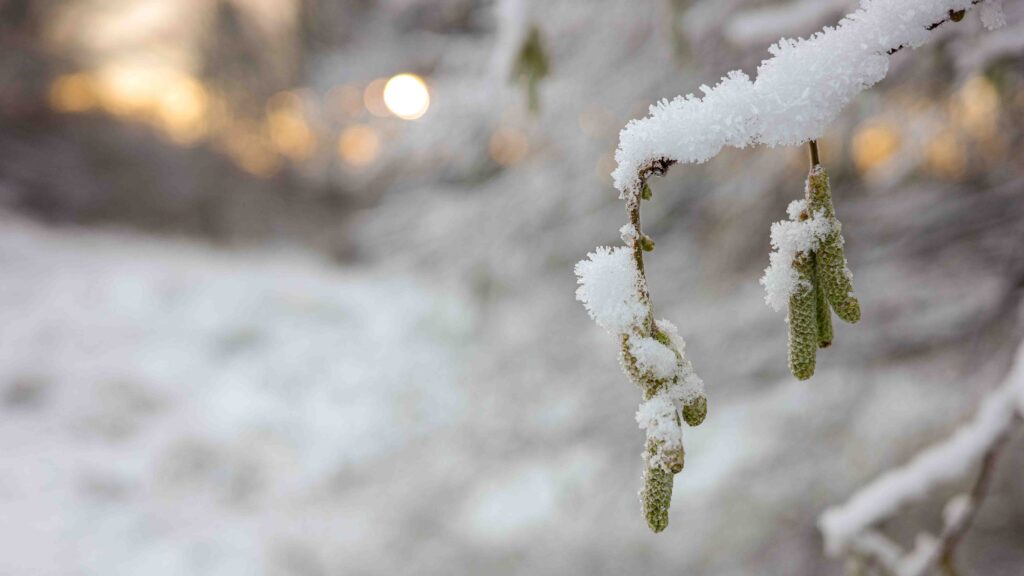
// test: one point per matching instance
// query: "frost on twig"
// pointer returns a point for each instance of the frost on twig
(613, 288)
(851, 529)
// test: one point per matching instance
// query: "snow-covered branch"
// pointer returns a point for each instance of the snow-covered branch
(796, 94)
(849, 528)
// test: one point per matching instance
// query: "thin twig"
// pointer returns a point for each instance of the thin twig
(954, 16)
(815, 161)
(954, 532)
(657, 168)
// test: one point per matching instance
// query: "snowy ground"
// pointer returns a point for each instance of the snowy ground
(169, 408)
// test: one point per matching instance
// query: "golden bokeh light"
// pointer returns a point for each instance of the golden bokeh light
(975, 108)
(873, 145)
(406, 96)
(246, 145)
(73, 93)
(359, 145)
(373, 98)
(508, 146)
(128, 90)
(181, 111)
(290, 132)
(946, 155)
(346, 101)
(170, 100)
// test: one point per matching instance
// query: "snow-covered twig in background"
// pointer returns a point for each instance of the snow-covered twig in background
(850, 528)
(519, 55)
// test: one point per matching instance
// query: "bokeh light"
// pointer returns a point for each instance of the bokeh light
(358, 145)
(873, 145)
(508, 146)
(373, 98)
(406, 96)
(290, 132)
(73, 93)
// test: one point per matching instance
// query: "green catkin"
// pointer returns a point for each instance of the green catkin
(823, 313)
(833, 275)
(695, 412)
(656, 497)
(803, 321)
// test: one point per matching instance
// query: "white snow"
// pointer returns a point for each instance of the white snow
(608, 288)
(939, 465)
(688, 386)
(796, 94)
(991, 13)
(658, 417)
(184, 404)
(653, 357)
(789, 238)
(628, 234)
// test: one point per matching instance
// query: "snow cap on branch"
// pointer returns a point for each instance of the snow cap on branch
(797, 93)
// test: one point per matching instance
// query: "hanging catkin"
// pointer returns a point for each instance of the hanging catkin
(833, 273)
(824, 315)
(803, 319)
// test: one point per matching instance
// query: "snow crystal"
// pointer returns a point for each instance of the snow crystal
(795, 208)
(687, 386)
(992, 16)
(669, 329)
(653, 357)
(789, 238)
(797, 92)
(950, 461)
(628, 233)
(608, 289)
(658, 418)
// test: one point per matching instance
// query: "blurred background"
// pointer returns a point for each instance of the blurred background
(286, 288)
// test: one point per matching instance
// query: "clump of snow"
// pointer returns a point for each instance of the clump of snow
(795, 208)
(789, 238)
(629, 234)
(687, 386)
(957, 509)
(797, 92)
(992, 16)
(608, 281)
(658, 417)
(941, 464)
(653, 357)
